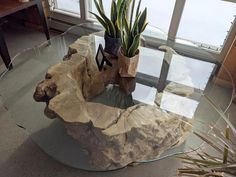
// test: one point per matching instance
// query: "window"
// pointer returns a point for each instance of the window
(192, 25)
(159, 17)
(71, 6)
(159, 13)
(92, 7)
(206, 22)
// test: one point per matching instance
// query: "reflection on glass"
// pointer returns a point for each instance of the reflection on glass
(179, 105)
(190, 72)
(144, 94)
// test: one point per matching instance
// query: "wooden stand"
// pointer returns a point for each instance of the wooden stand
(9, 7)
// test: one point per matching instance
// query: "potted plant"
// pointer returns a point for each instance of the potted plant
(206, 162)
(112, 31)
(131, 30)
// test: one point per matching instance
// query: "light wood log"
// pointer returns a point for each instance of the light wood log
(111, 136)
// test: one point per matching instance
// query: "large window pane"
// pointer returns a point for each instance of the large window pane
(206, 21)
(68, 5)
(159, 13)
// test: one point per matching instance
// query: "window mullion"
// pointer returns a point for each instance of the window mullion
(55, 3)
(175, 21)
(83, 10)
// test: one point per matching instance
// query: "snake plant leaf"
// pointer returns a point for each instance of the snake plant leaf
(103, 23)
(131, 27)
(109, 23)
(112, 28)
(122, 8)
(119, 2)
(138, 8)
(101, 5)
(113, 12)
(144, 27)
(127, 33)
(133, 49)
(142, 21)
(132, 13)
(126, 27)
(135, 29)
(97, 6)
(118, 32)
(124, 46)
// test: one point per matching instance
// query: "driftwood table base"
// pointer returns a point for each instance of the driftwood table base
(112, 137)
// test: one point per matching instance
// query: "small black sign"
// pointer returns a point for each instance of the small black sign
(101, 58)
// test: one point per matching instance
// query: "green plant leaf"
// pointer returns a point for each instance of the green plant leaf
(144, 27)
(113, 12)
(132, 13)
(108, 21)
(97, 6)
(124, 46)
(142, 20)
(134, 47)
(121, 13)
(127, 33)
(131, 27)
(104, 24)
(119, 2)
(138, 8)
(135, 30)
(101, 6)
(126, 27)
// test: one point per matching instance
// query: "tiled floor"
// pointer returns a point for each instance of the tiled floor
(21, 157)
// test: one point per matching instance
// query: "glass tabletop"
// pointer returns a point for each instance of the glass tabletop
(177, 84)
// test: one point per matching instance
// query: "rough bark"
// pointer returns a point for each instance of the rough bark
(112, 137)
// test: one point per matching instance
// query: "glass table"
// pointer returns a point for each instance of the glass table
(168, 73)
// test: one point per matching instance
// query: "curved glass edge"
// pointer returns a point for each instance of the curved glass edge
(81, 25)
(231, 84)
(47, 42)
(86, 25)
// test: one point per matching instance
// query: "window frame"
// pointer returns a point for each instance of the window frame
(59, 17)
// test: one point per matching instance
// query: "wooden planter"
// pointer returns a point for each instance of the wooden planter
(127, 66)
